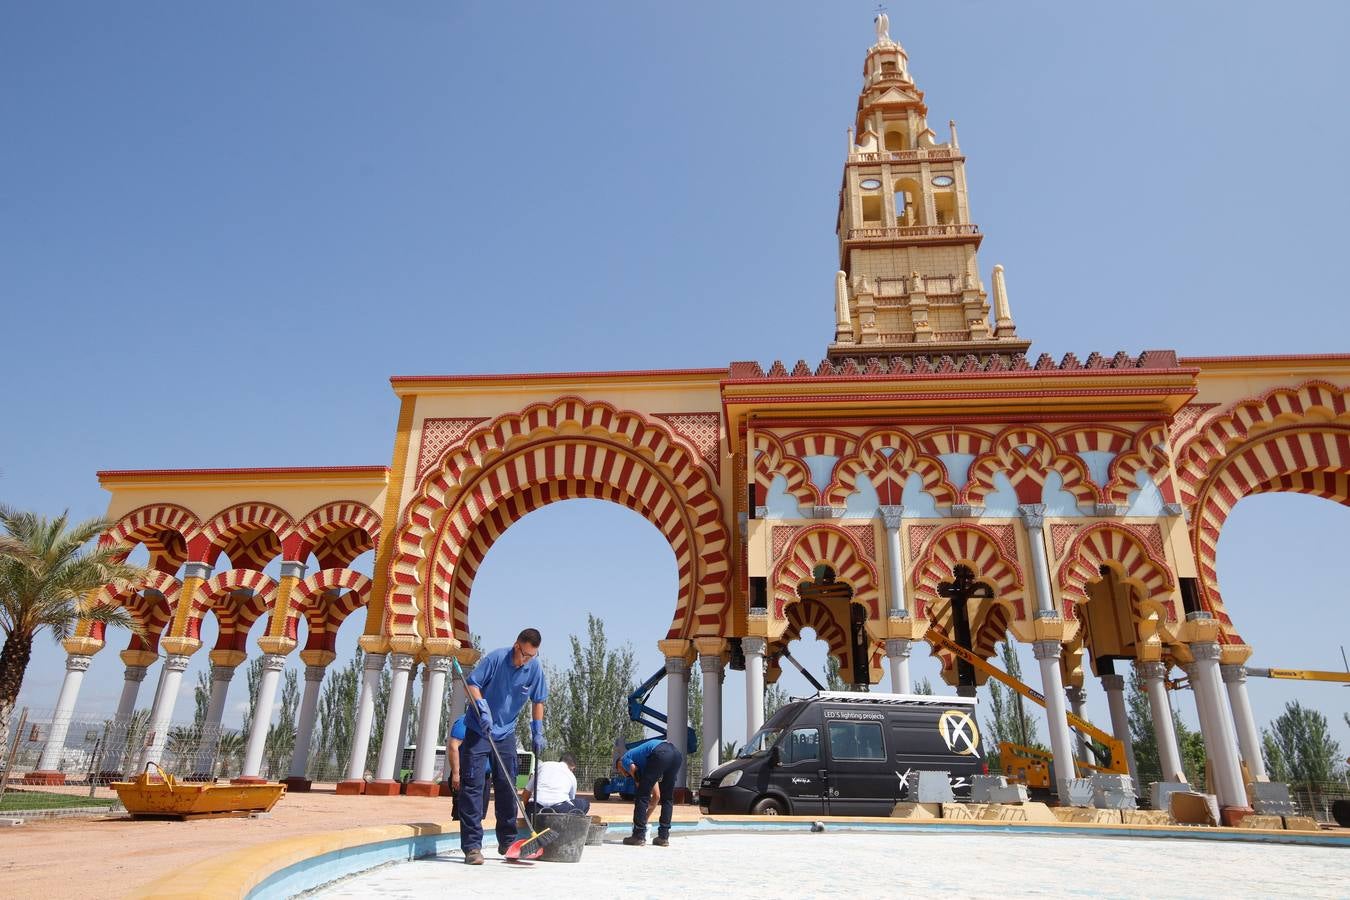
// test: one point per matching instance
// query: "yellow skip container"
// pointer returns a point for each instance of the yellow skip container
(170, 797)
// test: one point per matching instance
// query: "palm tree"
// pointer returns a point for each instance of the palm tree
(47, 569)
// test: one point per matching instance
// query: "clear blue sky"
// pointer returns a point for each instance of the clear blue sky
(225, 225)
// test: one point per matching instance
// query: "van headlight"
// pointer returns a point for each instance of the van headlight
(731, 779)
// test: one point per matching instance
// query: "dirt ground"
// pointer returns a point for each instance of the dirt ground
(114, 857)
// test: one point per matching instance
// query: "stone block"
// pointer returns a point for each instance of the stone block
(934, 787)
(1300, 823)
(963, 812)
(1271, 798)
(981, 785)
(1087, 815)
(1020, 812)
(1079, 792)
(1270, 823)
(1193, 808)
(1011, 793)
(917, 811)
(1159, 791)
(1113, 792)
(1145, 817)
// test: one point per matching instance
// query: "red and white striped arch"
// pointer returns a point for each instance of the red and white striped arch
(164, 528)
(326, 599)
(568, 440)
(238, 597)
(973, 546)
(250, 534)
(1124, 549)
(955, 439)
(825, 623)
(989, 625)
(1027, 469)
(832, 546)
(1093, 439)
(773, 459)
(149, 602)
(888, 470)
(1148, 452)
(336, 533)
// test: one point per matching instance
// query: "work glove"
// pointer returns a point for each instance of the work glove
(537, 736)
(484, 713)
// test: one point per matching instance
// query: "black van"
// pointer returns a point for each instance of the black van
(842, 753)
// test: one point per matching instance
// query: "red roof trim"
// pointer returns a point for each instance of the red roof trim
(552, 376)
(276, 470)
(1282, 357)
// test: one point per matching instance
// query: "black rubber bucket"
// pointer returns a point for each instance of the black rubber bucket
(572, 831)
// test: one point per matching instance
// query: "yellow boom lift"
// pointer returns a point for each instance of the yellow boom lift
(1028, 765)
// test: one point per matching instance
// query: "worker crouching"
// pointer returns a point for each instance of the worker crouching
(653, 765)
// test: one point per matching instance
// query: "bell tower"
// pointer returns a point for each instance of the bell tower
(909, 280)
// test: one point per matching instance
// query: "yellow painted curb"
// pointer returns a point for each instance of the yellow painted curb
(231, 876)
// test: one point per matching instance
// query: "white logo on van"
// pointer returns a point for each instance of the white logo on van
(853, 714)
(959, 732)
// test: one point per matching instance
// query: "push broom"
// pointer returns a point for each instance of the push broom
(531, 847)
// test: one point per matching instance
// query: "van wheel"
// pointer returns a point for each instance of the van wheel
(769, 806)
(600, 789)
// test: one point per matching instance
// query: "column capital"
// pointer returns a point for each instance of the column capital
(1113, 682)
(438, 664)
(710, 646)
(1076, 694)
(374, 662)
(273, 662)
(200, 570)
(1204, 651)
(1033, 514)
(222, 673)
(753, 645)
(891, 514)
(315, 673)
(402, 661)
(134, 673)
(676, 665)
(293, 568)
(77, 662)
(710, 664)
(1152, 669)
(897, 648)
(1233, 674)
(1047, 649)
(176, 662)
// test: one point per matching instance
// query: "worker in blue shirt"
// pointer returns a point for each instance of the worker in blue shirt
(652, 763)
(457, 732)
(500, 684)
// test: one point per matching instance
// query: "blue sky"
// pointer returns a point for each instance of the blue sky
(225, 226)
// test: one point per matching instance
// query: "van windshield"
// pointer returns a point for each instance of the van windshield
(764, 739)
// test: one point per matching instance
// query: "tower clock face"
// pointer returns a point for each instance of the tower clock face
(942, 181)
(869, 184)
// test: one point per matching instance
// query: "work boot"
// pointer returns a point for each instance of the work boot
(661, 842)
(473, 857)
(502, 848)
(634, 840)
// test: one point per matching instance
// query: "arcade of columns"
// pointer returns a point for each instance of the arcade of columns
(1086, 495)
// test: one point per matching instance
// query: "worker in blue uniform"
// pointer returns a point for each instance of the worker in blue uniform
(498, 688)
(458, 730)
(653, 765)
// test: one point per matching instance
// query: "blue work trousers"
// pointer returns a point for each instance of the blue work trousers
(661, 768)
(472, 754)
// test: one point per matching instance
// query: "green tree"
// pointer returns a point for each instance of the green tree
(588, 700)
(1008, 719)
(924, 687)
(48, 567)
(1143, 734)
(201, 696)
(775, 698)
(336, 719)
(728, 750)
(1299, 748)
(381, 713)
(280, 740)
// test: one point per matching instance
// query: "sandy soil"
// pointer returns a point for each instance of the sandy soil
(112, 858)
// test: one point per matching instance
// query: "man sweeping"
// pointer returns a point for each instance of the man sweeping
(498, 688)
(653, 765)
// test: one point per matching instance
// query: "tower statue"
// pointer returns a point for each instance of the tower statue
(883, 28)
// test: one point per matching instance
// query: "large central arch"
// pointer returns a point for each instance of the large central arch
(562, 450)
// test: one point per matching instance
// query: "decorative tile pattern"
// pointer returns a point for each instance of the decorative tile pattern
(1187, 416)
(1059, 538)
(918, 536)
(703, 430)
(866, 538)
(782, 536)
(1007, 540)
(437, 436)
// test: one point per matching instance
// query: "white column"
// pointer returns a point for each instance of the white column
(711, 667)
(1169, 756)
(897, 654)
(457, 697)
(1114, 685)
(1077, 700)
(401, 666)
(272, 665)
(215, 711)
(76, 666)
(1033, 517)
(1249, 737)
(407, 713)
(304, 726)
(677, 711)
(365, 713)
(898, 606)
(161, 714)
(1219, 735)
(1052, 686)
(754, 684)
(131, 688)
(429, 729)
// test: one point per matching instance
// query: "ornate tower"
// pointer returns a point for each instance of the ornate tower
(909, 281)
